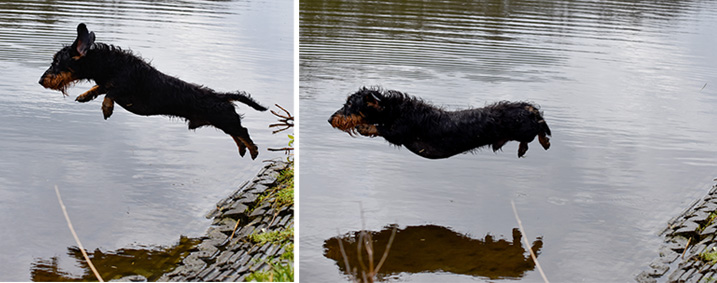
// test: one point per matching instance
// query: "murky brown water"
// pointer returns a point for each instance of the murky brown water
(628, 88)
(129, 180)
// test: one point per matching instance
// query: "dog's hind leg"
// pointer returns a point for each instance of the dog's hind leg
(108, 106)
(544, 140)
(229, 121)
(240, 145)
(248, 143)
(498, 144)
(522, 148)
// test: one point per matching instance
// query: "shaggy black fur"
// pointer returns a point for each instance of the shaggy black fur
(141, 89)
(436, 133)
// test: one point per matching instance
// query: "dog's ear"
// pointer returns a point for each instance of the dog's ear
(374, 100)
(376, 97)
(84, 40)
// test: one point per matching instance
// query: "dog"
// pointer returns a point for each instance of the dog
(434, 133)
(143, 90)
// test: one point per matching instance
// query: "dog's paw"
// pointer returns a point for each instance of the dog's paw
(367, 130)
(108, 106)
(84, 97)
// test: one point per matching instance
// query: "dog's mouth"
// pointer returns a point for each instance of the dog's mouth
(348, 123)
(60, 82)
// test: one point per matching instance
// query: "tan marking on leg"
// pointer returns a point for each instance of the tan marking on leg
(522, 149)
(108, 106)
(367, 130)
(240, 145)
(544, 140)
(91, 94)
(253, 150)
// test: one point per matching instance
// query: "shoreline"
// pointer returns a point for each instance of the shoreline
(689, 248)
(229, 250)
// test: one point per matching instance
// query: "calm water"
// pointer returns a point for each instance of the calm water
(628, 87)
(129, 180)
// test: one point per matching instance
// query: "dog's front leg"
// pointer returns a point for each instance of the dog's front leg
(107, 106)
(91, 94)
(367, 130)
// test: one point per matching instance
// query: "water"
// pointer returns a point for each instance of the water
(628, 88)
(129, 180)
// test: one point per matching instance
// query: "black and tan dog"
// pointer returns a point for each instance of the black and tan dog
(436, 133)
(141, 89)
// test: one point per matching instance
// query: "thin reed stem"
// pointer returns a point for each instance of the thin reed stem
(77, 239)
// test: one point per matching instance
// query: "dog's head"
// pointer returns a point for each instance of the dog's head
(67, 63)
(361, 108)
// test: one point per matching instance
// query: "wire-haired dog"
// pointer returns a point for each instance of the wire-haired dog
(141, 89)
(436, 133)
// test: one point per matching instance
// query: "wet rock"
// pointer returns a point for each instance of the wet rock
(131, 278)
(687, 229)
(644, 277)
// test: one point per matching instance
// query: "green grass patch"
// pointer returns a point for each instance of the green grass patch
(280, 196)
(278, 273)
(709, 256)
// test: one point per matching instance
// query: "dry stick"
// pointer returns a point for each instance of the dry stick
(286, 121)
(527, 243)
(686, 246)
(77, 239)
(235, 229)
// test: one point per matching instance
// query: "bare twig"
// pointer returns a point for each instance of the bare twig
(686, 246)
(77, 239)
(235, 229)
(287, 150)
(286, 121)
(527, 243)
(364, 243)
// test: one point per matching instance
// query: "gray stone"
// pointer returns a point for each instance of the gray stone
(237, 210)
(688, 228)
(131, 278)
(659, 268)
(212, 276)
(193, 262)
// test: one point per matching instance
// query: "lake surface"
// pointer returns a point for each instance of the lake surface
(129, 180)
(628, 88)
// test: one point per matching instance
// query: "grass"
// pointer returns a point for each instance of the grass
(281, 196)
(278, 273)
(710, 257)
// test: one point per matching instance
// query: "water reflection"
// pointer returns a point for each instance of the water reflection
(432, 248)
(149, 262)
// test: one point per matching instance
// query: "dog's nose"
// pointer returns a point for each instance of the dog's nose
(42, 78)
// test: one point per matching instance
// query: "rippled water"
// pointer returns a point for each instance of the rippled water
(129, 180)
(628, 88)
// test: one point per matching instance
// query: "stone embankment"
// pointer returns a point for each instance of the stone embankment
(227, 252)
(689, 252)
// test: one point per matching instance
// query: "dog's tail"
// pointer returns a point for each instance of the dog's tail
(243, 97)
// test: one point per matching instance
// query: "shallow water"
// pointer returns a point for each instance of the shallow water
(627, 87)
(129, 180)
